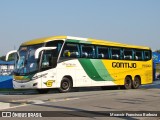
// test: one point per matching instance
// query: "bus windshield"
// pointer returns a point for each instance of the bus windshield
(26, 62)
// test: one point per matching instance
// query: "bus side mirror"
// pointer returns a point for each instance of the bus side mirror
(41, 49)
(9, 53)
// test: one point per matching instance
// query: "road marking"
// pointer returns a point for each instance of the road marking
(32, 102)
(14, 106)
(61, 100)
(35, 102)
(4, 105)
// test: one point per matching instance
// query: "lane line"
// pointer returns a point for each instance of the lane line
(32, 102)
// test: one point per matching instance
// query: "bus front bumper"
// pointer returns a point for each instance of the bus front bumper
(17, 84)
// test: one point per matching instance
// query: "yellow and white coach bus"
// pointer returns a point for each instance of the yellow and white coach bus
(64, 62)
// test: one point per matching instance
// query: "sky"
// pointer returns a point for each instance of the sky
(127, 21)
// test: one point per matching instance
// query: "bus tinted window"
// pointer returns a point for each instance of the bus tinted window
(127, 54)
(102, 52)
(46, 60)
(58, 44)
(115, 53)
(71, 50)
(147, 55)
(49, 58)
(87, 51)
(138, 55)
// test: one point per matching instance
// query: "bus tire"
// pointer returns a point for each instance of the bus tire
(65, 86)
(42, 91)
(128, 83)
(136, 83)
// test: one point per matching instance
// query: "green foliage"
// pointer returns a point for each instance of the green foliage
(2, 58)
(11, 57)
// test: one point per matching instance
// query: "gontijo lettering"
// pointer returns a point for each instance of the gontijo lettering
(123, 65)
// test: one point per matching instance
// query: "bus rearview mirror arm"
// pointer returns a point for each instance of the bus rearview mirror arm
(41, 49)
(9, 53)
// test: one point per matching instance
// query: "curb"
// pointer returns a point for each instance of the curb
(16, 92)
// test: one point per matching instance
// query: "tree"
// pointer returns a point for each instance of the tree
(11, 57)
(2, 58)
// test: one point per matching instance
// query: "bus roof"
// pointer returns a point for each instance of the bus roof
(43, 40)
(116, 44)
(81, 40)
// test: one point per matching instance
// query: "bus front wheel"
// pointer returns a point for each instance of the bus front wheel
(66, 85)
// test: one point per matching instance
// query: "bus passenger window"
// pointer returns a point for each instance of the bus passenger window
(70, 50)
(138, 55)
(127, 54)
(116, 53)
(102, 52)
(87, 51)
(115, 56)
(147, 55)
(67, 53)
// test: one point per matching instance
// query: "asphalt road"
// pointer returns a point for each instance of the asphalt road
(88, 103)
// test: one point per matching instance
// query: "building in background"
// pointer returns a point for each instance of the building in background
(6, 68)
(156, 65)
(156, 57)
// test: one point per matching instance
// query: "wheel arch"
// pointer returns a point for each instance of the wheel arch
(139, 77)
(129, 77)
(69, 77)
(127, 82)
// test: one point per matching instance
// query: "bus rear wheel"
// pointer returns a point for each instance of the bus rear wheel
(128, 83)
(136, 83)
(66, 85)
